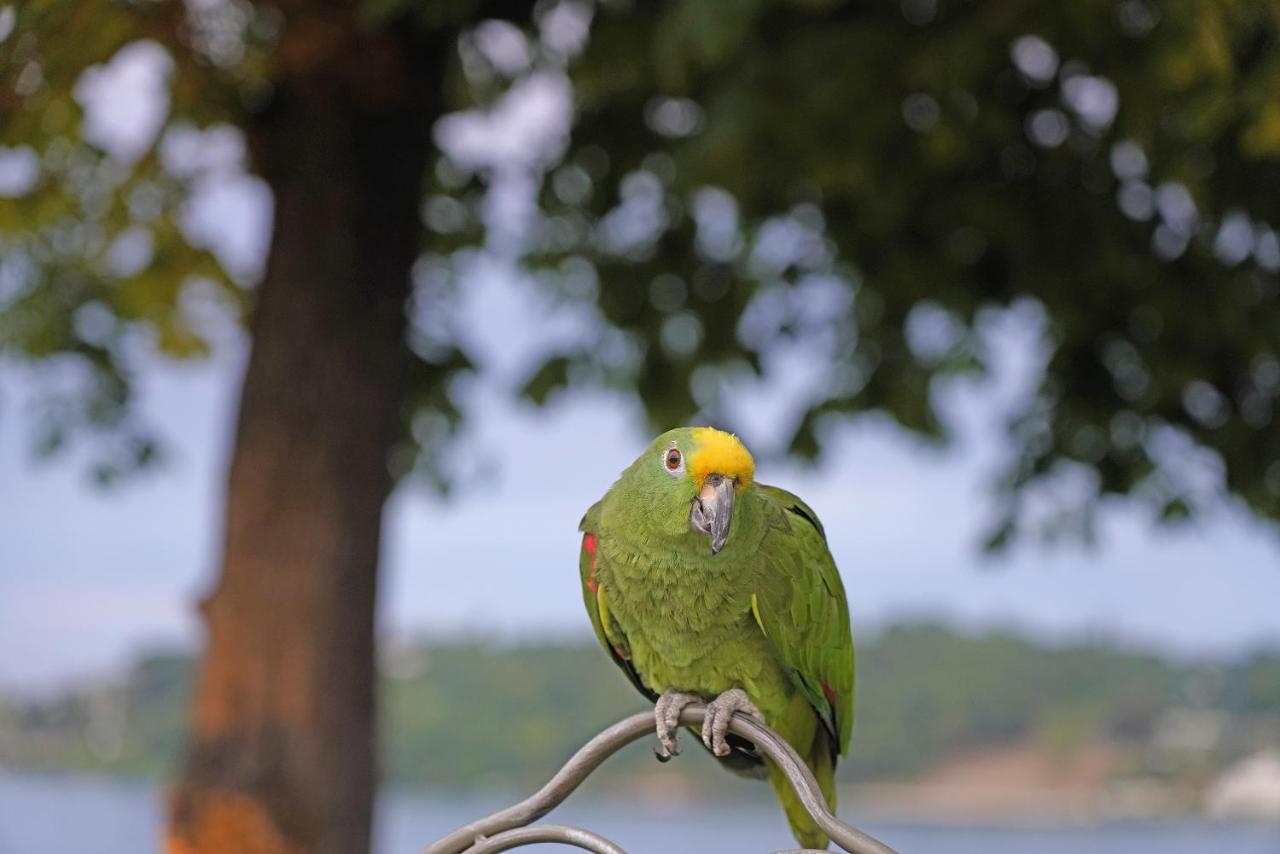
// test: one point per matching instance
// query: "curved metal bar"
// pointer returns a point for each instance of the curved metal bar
(575, 836)
(594, 752)
(559, 787)
(801, 778)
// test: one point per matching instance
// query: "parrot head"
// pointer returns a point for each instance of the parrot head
(688, 479)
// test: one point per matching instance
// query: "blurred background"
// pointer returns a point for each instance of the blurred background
(322, 324)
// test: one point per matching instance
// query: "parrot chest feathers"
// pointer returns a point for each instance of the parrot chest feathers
(686, 626)
(648, 590)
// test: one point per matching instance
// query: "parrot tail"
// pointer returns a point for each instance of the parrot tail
(822, 763)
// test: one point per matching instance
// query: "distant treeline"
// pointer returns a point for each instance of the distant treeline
(485, 714)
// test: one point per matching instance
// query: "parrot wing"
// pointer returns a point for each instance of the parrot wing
(801, 608)
(594, 597)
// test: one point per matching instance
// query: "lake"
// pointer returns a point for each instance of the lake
(53, 814)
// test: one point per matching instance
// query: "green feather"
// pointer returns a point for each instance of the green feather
(815, 644)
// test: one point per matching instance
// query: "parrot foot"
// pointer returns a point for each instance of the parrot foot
(666, 713)
(716, 725)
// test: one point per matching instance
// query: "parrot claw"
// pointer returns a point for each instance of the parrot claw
(666, 714)
(716, 725)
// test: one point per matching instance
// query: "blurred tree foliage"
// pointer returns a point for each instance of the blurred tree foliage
(863, 181)
(860, 182)
(72, 212)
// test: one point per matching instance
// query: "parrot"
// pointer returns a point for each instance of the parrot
(704, 586)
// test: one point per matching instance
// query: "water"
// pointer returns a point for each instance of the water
(52, 814)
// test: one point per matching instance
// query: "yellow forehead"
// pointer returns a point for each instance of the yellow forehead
(718, 452)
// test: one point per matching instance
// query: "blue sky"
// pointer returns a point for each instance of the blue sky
(88, 578)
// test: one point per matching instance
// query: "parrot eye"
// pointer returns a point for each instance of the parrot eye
(673, 461)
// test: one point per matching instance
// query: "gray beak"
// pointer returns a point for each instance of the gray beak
(713, 510)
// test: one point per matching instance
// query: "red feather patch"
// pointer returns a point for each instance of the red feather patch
(589, 546)
(831, 695)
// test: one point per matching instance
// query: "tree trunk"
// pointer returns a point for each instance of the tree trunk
(281, 757)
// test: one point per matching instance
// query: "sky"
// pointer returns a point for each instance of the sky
(89, 578)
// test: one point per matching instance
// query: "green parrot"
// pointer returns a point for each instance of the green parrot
(704, 586)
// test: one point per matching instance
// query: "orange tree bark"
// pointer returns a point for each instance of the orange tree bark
(281, 753)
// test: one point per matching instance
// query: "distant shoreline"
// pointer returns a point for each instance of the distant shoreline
(914, 804)
(949, 726)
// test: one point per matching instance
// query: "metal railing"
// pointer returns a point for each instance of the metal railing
(509, 828)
